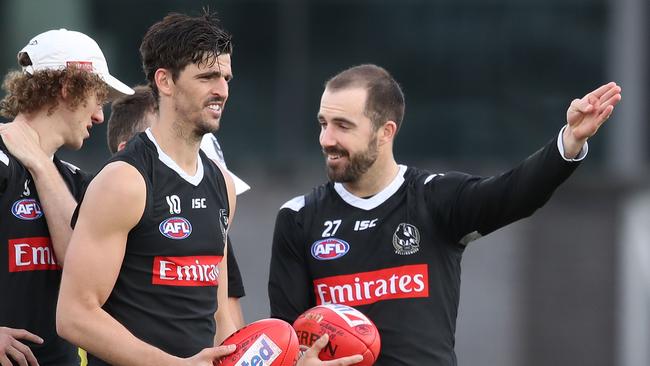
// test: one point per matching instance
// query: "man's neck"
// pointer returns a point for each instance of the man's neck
(375, 180)
(176, 140)
(46, 126)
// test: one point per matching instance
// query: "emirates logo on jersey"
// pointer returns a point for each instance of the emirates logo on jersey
(176, 228)
(27, 209)
(186, 271)
(31, 254)
(363, 288)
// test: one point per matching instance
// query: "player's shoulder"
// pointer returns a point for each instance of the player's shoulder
(295, 204)
(70, 168)
(4, 158)
(317, 194)
(139, 152)
(422, 177)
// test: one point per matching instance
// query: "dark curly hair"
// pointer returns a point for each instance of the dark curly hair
(179, 40)
(28, 93)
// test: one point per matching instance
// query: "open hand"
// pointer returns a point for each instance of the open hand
(23, 143)
(587, 114)
(11, 348)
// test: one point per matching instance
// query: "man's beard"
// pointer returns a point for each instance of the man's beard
(357, 165)
(201, 126)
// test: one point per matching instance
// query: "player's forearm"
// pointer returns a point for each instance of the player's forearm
(223, 317)
(102, 336)
(58, 205)
(236, 312)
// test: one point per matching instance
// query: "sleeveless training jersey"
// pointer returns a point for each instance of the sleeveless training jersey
(166, 291)
(396, 256)
(29, 273)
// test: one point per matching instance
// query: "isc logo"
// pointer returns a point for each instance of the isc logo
(328, 249)
(261, 353)
(176, 228)
(27, 209)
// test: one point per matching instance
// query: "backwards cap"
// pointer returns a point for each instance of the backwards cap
(58, 49)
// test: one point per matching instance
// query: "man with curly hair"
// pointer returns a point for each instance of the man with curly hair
(53, 101)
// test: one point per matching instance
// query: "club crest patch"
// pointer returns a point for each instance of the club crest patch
(406, 239)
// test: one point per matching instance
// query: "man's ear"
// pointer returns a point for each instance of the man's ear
(64, 91)
(164, 81)
(387, 132)
(121, 145)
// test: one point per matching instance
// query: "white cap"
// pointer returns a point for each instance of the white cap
(57, 49)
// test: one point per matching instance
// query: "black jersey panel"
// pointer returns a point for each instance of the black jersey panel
(398, 260)
(29, 273)
(467, 204)
(166, 290)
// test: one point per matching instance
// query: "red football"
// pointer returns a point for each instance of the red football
(349, 330)
(268, 342)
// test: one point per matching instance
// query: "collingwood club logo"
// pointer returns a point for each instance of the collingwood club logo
(406, 239)
(223, 222)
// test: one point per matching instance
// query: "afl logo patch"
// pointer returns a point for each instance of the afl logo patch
(328, 249)
(176, 228)
(27, 209)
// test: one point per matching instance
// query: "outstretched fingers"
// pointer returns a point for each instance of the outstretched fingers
(23, 334)
(24, 352)
(344, 361)
(315, 349)
(602, 90)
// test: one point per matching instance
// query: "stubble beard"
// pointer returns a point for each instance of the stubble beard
(357, 166)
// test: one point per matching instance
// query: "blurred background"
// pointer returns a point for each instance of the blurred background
(487, 82)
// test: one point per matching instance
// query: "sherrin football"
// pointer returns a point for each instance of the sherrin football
(350, 332)
(266, 342)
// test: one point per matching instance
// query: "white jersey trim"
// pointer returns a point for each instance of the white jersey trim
(429, 178)
(4, 158)
(212, 149)
(376, 200)
(474, 235)
(167, 160)
(295, 203)
(73, 168)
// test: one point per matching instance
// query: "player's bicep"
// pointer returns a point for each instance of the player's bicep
(107, 214)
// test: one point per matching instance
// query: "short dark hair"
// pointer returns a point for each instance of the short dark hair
(179, 40)
(128, 116)
(385, 100)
